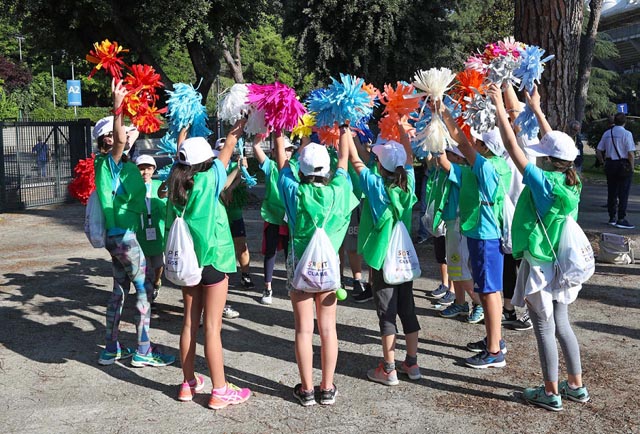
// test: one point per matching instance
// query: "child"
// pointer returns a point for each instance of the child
(551, 194)
(390, 199)
(458, 264)
(195, 184)
(152, 235)
(318, 200)
(482, 192)
(275, 234)
(121, 192)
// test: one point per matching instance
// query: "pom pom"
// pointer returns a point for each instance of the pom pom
(147, 118)
(144, 81)
(434, 138)
(184, 109)
(343, 101)
(329, 136)
(433, 82)
(480, 114)
(399, 101)
(362, 130)
(163, 174)
(233, 104)
(304, 127)
(468, 82)
(281, 107)
(501, 71)
(256, 123)
(476, 63)
(105, 55)
(528, 123)
(531, 67)
(83, 183)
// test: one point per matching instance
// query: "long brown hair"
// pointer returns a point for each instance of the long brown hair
(569, 170)
(314, 179)
(398, 178)
(180, 180)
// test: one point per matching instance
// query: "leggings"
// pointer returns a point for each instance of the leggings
(546, 332)
(509, 275)
(272, 237)
(129, 265)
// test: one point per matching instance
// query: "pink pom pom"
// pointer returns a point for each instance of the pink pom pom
(281, 107)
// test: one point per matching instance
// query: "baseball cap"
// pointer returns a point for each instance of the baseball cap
(493, 141)
(555, 144)
(103, 126)
(194, 150)
(455, 150)
(314, 160)
(219, 144)
(146, 159)
(390, 155)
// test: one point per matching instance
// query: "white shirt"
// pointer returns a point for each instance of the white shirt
(623, 143)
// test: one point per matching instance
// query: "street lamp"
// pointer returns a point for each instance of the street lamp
(20, 38)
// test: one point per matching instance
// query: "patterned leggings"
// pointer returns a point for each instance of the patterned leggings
(128, 266)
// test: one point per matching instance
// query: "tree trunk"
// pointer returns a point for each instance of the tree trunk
(206, 65)
(554, 25)
(234, 60)
(587, 46)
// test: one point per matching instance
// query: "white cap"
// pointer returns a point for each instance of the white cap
(555, 144)
(493, 141)
(455, 150)
(130, 128)
(103, 126)
(314, 160)
(289, 144)
(219, 144)
(146, 159)
(391, 155)
(194, 150)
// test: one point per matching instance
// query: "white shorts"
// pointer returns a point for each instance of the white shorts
(458, 263)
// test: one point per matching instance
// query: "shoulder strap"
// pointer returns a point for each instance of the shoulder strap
(546, 235)
(615, 147)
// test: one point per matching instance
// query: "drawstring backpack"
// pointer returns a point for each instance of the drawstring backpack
(429, 215)
(181, 263)
(401, 261)
(94, 222)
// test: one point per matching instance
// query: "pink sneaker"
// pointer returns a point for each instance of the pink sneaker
(379, 376)
(232, 396)
(189, 389)
(412, 371)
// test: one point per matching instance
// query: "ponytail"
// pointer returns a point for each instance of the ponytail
(569, 170)
(180, 181)
(399, 177)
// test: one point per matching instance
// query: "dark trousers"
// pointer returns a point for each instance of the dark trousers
(618, 186)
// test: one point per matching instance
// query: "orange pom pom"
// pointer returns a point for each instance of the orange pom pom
(105, 56)
(329, 136)
(395, 101)
(467, 81)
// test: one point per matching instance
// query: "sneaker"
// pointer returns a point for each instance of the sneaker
(537, 396)
(524, 323)
(578, 395)
(612, 221)
(246, 281)
(485, 360)
(440, 291)
(478, 347)
(189, 388)
(267, 296)
(476, 315)
(328, 397)
(357, 287)
(624, 224)
(151, 359)
(447, 299)
(156, 291)
(509, 317)
(455, 310)
(230, 313)
(232, 396)
(412, 371)
(306, 397)
(365, 295)
(380, 376)
(109, 358)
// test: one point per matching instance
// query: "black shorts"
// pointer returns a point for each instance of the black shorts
(211, 276)
(237, 228)
(440, 249)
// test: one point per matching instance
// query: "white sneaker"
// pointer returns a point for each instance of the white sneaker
(230, 313)
(267, 297)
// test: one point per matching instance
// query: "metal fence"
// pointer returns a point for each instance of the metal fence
(26, 182)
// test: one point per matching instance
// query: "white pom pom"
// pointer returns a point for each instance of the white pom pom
(434, 82)
(233, 105)
(435, 137)
(256, 123)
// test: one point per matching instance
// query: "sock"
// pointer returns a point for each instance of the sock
(411, 360)
(495, 354)
(112, 346)
(193, 383)
(221, 390)
(388, 367)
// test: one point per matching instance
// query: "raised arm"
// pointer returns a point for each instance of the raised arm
(405, 140)
(346, 140)
(456, 134)
(257, 148)
(533, 101)
(230, 143)
(281, 156)
(444, 162)
(119, 134)
(506, 132)
(344, 147)
(511, 103)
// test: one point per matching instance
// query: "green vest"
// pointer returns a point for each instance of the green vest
(208, 224)
(470, 195)
(527, 233)
(272, 209)
(373, 239)
(120, 210)
(240, 196)
(158, 216)
(328, 207)
(439, 195)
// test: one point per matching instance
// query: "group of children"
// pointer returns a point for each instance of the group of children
(311, 187)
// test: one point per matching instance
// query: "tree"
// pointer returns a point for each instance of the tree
(587, 47)
(555, 26)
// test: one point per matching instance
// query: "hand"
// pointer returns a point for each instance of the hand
(494, 92)
(243, 161)
(118, 91)
(533, 100)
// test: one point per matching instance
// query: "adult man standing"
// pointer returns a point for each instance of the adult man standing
(41, 152)
(617, 149)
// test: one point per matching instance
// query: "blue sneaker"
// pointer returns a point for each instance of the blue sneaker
(478, 347)
(447, 299)
(109, 358)
(578, 395)
(538, 396)
(476, 315)
(152, 359)
(455, 310)
(485, 360)
(440, 291)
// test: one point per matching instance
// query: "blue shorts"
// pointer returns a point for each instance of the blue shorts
(487, 265)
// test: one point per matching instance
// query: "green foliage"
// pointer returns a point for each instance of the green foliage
(600, 93)
(8, 108)
(67, 113)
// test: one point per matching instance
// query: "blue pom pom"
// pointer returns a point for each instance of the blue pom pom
(163, 174)
(531, 66)
(250, 180)
(342, 101)
(528, 123)
(184, 109)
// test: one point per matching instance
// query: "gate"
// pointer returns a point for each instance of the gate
(32, 176)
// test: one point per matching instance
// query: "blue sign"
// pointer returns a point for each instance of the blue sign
(74, 96)
(622, 108)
